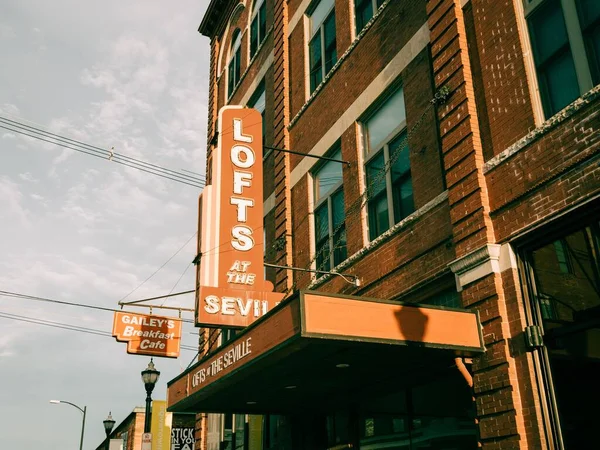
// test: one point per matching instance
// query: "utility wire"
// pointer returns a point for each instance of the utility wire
(68, 327)
(6, 123)
(62, 302)
(158, 270)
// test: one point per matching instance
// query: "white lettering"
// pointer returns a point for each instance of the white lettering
(249, 157)
(241, 180)
(228, 306)
(242, 238)
(237, 132)
(212, 304)
(242, 207)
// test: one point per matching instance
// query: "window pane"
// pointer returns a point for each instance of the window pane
(254, 36)
(385, 120)
(257, 101)
(337, 209)
(375, 176)
(403, 199)
(328, 177)
(330, 49)
(559, 82)
(323, 256)
(364, 13)
(400, 156)
(339, 240)
(379, 221)
(589, 11)
(263, 22)
(316, 69)
(318, 15)
(548, 31)
(321, 223)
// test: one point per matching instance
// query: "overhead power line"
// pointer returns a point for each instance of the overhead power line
(16, 126)
(68, 327)
(62, 302)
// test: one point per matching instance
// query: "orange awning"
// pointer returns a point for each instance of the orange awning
(316, 350)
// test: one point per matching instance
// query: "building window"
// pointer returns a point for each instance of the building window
(258, 26)
(330, 228)
(322, 53)
(234, 68)
(567, 312)
(258, 102)
(389, 181)
(364, 11)
(565, 37)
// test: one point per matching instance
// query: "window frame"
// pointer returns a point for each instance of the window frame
(320, 31)
(259, 13)
(235, 57)
(384, 147)
(375, 5)
(319, 203)
(576, 45)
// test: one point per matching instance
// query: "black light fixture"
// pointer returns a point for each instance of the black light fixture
(109, 423)
(149, 376)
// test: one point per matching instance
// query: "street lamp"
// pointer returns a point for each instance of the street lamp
(109, 423)
(149, 377)
(56, 402)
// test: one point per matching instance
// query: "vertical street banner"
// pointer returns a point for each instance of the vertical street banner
(160, 425)
(232, 290)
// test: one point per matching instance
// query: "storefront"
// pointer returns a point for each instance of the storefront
(325, 371)
(561, 271)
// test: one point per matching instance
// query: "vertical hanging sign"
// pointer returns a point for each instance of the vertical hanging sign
(232, 291)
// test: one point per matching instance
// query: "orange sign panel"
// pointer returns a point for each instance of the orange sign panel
(231, 226)
(148, 335)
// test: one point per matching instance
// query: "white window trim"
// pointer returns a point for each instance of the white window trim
(576, 44)
(231, 57)
(261, 40)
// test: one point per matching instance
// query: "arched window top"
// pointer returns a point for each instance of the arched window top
(236, 41)
(256, 7)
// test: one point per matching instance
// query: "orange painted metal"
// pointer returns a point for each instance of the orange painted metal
(389, 321)
(147, 334)
(231, 224)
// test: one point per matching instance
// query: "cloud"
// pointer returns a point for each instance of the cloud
(11, 209)
(9, 108)
(26, 176)
(7, 32)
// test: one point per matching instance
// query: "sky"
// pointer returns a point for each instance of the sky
(128, 74)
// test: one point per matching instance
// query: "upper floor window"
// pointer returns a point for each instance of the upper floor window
(389, 180)
(258, 102)
(364, 11)
(330, 229)
(234, 66)
(258, 26)
(565, 37)
(322, 52)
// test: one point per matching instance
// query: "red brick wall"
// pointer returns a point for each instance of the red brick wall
(397, 24)
(558, 170)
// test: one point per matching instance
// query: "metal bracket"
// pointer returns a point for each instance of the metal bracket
(534, 338)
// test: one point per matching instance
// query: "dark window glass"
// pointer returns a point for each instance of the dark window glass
(569, 306)
(253, 37)
(316, 62)
(322, 237)
(379, 221)
(258, 28)
(553, 58)
(338, 216)
(330, 49)
(589, 18)
(364, 12)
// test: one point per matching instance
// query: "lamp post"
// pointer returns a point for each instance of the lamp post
(55, 402)
(149, 376)
(109, 423)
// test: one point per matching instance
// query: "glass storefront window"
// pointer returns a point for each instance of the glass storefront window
(564, 278)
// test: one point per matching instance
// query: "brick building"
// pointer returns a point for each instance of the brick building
(469, 135)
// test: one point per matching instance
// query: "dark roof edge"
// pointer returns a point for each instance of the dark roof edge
(212, 17)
